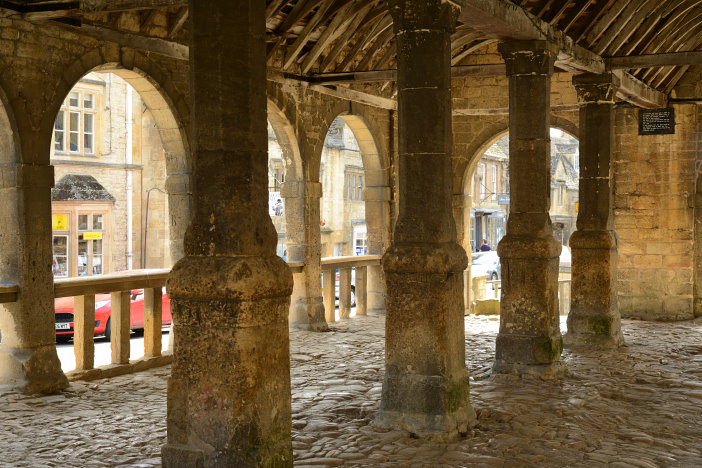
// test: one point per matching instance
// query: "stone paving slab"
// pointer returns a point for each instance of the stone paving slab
(640, 406)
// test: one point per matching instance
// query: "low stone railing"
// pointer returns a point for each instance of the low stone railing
(485, 289)
(119, 286)
(345, 265)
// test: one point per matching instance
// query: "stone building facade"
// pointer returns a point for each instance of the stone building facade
(92, 132)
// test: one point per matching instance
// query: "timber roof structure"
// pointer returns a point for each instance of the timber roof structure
(649, 43)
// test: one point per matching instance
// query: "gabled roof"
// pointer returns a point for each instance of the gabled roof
(73, 187)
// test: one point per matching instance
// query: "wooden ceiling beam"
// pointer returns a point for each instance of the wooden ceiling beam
(654, 60)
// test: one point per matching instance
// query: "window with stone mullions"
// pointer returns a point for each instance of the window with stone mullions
(74, 128)
(354, 186)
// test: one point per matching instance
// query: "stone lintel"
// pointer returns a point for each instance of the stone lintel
(529, 57)
(596, 88)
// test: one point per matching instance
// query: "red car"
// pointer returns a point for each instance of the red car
(63, 308)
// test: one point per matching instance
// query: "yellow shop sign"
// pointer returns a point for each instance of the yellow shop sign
(59, 222)
(92, 235)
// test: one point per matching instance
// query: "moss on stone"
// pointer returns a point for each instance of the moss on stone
(600, 325)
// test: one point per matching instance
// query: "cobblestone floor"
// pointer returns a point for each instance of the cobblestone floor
(640, 406)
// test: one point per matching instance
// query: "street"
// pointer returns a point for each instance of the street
(102, 351)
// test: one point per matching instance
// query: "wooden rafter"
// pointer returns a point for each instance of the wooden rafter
(575, 12)
(178, 23)
(590, 20)
(627, 24)
(357, 26)
(337, 27)
(606, 21)
(304, 36)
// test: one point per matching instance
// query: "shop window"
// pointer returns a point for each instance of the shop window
(360, 241)
(79, 245)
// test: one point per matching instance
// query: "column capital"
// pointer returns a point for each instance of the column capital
(528, 57)
(596, 88)
(410, 15)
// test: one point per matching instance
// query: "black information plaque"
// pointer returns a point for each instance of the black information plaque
(657, 121)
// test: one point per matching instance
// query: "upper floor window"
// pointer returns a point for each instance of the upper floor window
(354, 186)
(74, 128)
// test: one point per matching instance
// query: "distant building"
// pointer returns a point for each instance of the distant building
(491, 190)
(341, 172)
(109, 206)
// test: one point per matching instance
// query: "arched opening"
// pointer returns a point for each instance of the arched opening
(121, 199)
(285, 166)
(355, 199)
(486, 188)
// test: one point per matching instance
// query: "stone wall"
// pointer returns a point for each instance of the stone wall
(654, 215)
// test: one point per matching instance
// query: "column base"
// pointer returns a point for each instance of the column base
(31, 370)
(427, 406)
(426, 386)
(551, 371)
(526, 355)
(308, 316)
(593, 331)
(176, 456)
(229, 391)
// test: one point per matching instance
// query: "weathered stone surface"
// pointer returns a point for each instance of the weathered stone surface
(529, 341)
(426, 387)
(594, 318)
(229, 394)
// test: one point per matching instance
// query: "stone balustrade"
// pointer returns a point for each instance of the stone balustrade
(345, 265)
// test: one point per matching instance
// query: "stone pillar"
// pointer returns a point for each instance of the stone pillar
(28, 359)
(303, 245)
(229, 394)
(529, 341)
(594, 316)
(461, 214)
(377, 200)
(426, 387)
(179, 211)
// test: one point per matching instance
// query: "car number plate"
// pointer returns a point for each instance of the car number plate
(63, 326)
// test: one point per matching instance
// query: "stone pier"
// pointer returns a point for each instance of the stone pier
(426, 386)
(594, 316)
(529, 342)
(28, 359)
(303, 245)
(229, 394)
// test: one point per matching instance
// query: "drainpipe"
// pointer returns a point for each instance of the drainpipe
(128, 119)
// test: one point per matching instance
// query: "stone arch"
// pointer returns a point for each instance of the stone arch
(377, 200)
(293, 190)
(167, 113)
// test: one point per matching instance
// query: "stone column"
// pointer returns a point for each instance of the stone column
(377, 201)
(594, 316)
(426, 388)
(229, 394)
(28, 359)
(303, 245)
(529, 341)
(461, 214)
